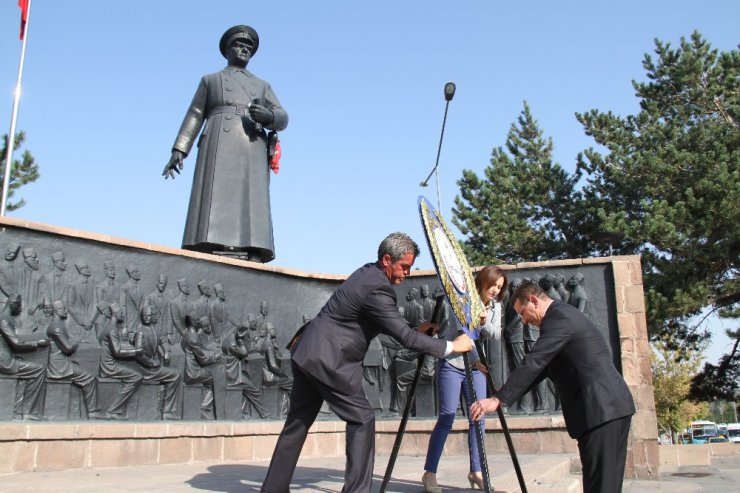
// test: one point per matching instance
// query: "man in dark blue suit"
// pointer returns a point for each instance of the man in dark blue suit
(327, 355)
(597, 404)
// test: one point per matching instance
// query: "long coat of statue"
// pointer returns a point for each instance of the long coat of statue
(230, 199)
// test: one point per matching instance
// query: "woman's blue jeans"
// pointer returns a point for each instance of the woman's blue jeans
(450, 381)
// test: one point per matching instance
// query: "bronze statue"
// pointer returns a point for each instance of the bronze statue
(229, 210)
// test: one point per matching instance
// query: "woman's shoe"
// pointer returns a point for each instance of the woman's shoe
(429, 480)
(476, 480)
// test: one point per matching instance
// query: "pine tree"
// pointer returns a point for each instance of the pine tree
(23, 171)
(665, 184)
(670, 182)
(523, 209)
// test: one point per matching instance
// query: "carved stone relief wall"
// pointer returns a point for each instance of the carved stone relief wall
(112, 331)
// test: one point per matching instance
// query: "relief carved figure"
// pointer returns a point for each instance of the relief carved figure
(108, 291)
(427, 303)
(221, 318)
(273, 374)
(413, 311)
(578, 296)
(261, 321)
(202, 361)
(55, 284)
(8, 273)
(514, 336)
(63, 367)
(181, 308)
(28, 279)
(102, 321)
(82, 304)
(39, 319)
(132, 296)
(30, 390)
(548, 284)
(158, 300)
(117, 348)
(202, 305)
(153, 356)
(236, 347)
(539, 391)
(407, 360)
(559, 285)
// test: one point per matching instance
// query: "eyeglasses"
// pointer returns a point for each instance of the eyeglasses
(521, 309)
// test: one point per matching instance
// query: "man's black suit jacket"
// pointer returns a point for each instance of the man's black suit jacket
(574, 354)
(332, 346)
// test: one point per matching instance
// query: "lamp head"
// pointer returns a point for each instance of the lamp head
(449, 91)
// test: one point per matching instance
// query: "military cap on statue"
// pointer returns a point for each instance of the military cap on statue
(238, 32)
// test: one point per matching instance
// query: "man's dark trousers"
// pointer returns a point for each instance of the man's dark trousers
(355, 410)
(603, 451)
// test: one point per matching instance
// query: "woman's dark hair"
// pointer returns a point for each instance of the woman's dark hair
(488, 276)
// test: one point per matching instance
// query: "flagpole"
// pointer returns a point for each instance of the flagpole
(14, 117)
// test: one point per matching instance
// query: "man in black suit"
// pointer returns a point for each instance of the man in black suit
(597, 404)
(327, 360)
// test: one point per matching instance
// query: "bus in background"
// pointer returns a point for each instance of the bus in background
(701, 431)
(722, 429)
(733, 432)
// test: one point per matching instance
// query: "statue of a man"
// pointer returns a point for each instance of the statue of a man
(229, 209)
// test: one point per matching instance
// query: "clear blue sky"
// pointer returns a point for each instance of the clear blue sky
(106, 85)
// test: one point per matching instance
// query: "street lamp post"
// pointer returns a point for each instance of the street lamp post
(449, 93)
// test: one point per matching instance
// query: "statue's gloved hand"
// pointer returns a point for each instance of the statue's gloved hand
(174, 165)
(260, 114)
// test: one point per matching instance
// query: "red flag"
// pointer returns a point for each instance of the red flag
(275, 161)
(23, 5)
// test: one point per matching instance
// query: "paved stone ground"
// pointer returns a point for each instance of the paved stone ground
(542, 473)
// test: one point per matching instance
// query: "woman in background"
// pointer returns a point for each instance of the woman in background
(491, 284)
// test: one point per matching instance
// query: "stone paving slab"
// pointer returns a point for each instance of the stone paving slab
(543, 473)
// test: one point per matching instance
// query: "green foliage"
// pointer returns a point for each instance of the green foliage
(671, 182)
(719, 381)
(524, 208)
(672, 374)
(664, 184)
(723, 412)
(23, 171)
